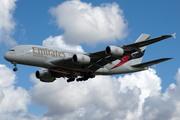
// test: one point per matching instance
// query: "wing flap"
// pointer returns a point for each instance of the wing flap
(146, 64)
(101, 62)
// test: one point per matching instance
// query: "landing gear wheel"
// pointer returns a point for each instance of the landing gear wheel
(70, 80)
(15, 65)
(79, 79)
(15, 69)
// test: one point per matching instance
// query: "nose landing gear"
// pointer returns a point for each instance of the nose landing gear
(15, 69)
(15, 65)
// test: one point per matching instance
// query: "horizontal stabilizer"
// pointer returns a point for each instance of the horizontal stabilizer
(146, 64)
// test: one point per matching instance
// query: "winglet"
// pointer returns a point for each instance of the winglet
(174, 35)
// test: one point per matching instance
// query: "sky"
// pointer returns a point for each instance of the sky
(90, 25)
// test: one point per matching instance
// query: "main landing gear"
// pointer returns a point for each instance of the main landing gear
(15, 65)
(70, 80)
(85, 77)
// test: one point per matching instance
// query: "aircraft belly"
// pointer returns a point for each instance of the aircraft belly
(66, 71)
(70, 69)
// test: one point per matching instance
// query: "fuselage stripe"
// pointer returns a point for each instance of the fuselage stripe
(128, 58)
(125, 58)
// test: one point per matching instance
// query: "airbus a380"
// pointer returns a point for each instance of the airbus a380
(81, 66)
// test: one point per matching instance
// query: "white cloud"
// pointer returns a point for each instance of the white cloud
(164, 106)
(135, 96)
(1, 94)
(7, 23)
(148, 82)
(13, 101)
(103, 97)
(84, 23)
(58, 42)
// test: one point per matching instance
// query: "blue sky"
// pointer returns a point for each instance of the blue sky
(32, 22)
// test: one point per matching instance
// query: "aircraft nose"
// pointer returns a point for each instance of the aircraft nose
(7, 56)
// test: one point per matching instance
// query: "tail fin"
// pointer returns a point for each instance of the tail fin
(137, 56)
(143, 37)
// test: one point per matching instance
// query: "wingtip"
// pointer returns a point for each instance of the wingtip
(174, 35)
(166, 59)
(169, 58)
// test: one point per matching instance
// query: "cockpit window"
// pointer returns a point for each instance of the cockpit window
(11, 50)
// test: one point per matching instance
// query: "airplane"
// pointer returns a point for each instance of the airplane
(81, 66)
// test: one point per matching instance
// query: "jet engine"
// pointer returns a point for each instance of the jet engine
(81, 59)
(114, 51)
(45, 75)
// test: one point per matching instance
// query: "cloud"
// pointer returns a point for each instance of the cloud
(148, 82)
(7, 22)
(58, 41)
(13, 101)
(103, 97)
(99, 98)
(164, 106)
(84, 23)
(134, 96)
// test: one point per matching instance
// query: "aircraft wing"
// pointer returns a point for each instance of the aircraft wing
(100, 58)
(149, 41)
(135, 46)
(147, 64)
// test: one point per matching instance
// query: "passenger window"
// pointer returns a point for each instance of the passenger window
(12, 50)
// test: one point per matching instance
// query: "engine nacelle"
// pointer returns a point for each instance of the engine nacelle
(114, 51)
(45, 76)
(81, 59)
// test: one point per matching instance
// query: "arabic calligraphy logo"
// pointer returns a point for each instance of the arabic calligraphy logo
(83, 58)
(116, 50)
